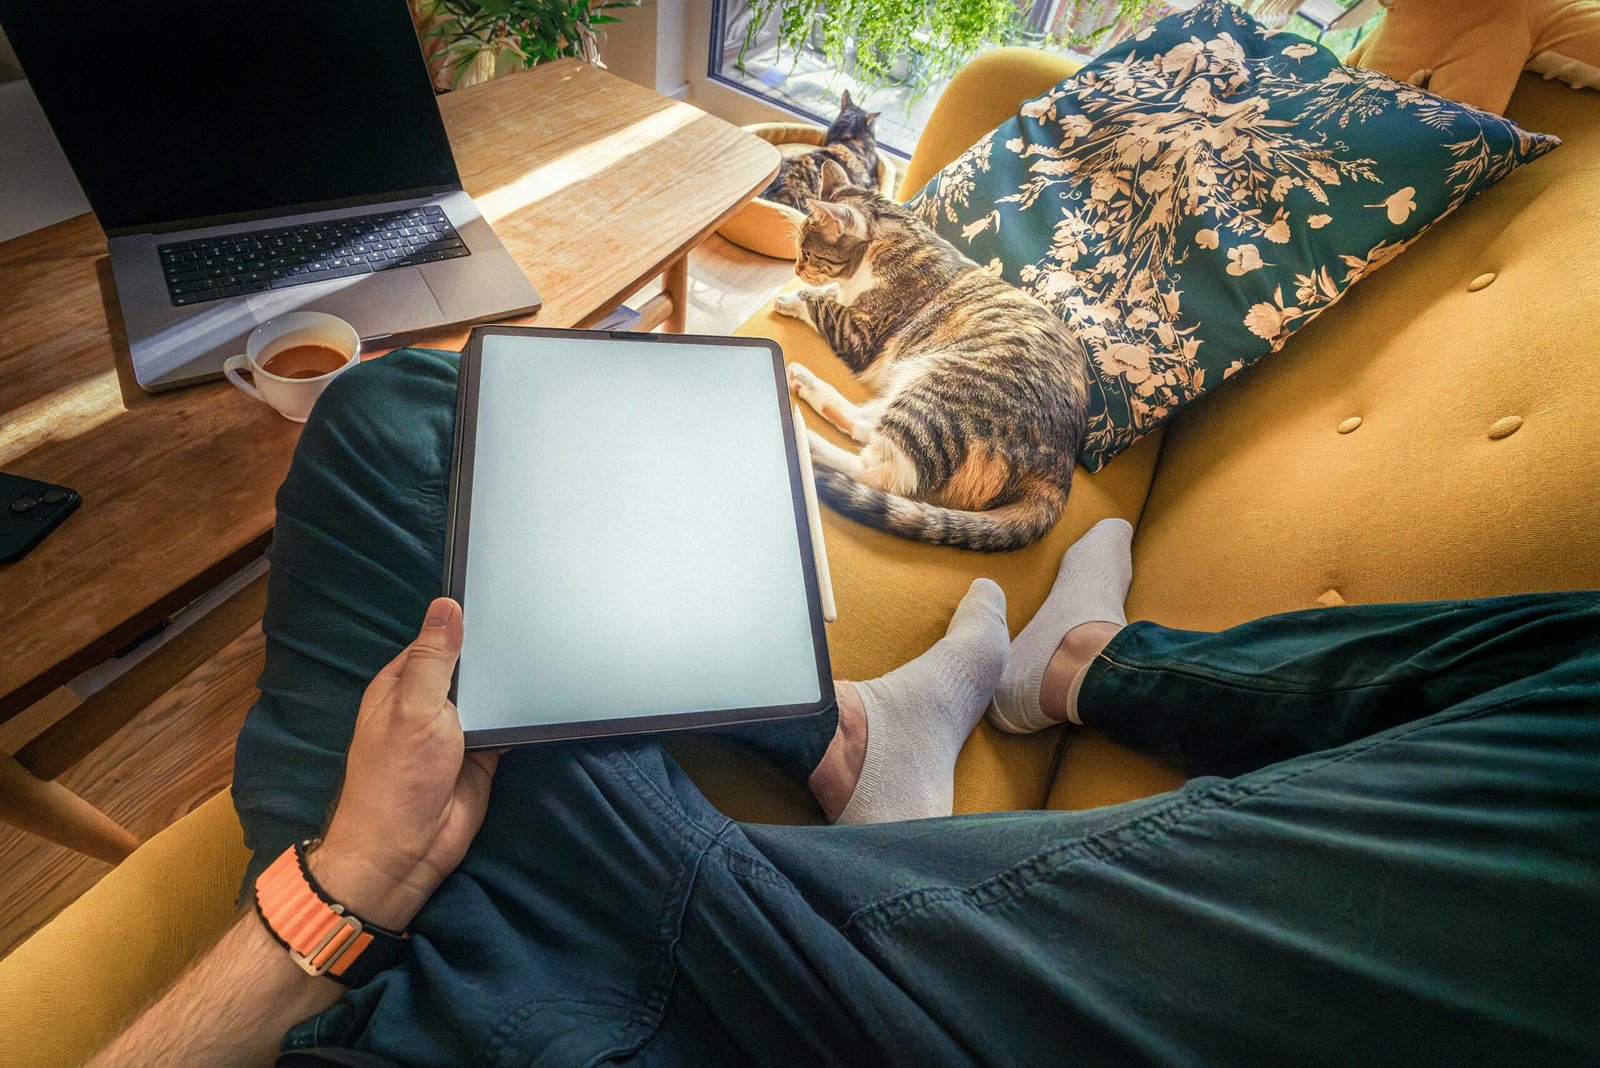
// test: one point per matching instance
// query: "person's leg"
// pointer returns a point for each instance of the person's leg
(357, 554)
(1415, 880)
(1085, 603)
(564, 908)
(607, 911)
(556, 933)
(1303, 682)
(894, 754)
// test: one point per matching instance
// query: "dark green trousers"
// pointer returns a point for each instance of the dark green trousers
(1390, 853)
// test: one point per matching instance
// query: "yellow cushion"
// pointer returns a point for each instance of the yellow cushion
(1094, 771)
(1261, 505)
(895, 596)
(68, 989)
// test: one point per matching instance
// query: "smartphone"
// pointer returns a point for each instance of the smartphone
(29, 511)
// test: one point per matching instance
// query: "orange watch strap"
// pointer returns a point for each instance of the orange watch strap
(323, 937)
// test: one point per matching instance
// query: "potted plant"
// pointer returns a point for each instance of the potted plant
(469, 41)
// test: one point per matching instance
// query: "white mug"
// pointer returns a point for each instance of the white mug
(292, 397)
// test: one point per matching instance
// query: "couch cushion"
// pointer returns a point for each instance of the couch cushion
(1262, 504)
(1201, 192)
(895, 598)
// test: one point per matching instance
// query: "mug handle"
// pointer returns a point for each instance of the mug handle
(230, 369)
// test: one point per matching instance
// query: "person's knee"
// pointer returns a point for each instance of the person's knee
(394, 406)
(372, 394)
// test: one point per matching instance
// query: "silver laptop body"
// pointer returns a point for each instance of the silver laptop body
(179, 345)
(209, 137)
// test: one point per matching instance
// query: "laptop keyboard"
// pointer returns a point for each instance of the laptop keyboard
(213, 268)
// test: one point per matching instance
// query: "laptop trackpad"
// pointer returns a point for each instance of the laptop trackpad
(389, 302)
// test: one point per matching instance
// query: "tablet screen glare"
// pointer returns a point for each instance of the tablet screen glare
(632, 540)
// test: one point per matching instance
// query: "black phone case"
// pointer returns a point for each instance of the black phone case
(29, 511)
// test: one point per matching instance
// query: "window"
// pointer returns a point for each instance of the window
(896, 56)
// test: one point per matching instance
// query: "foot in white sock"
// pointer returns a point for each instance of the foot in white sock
(1092, 586)
(919, 715)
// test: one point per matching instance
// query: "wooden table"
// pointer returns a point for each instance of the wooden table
(594, 184)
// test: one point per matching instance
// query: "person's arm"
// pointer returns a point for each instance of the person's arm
(411, 802)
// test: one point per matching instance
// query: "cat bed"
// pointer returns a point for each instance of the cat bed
(771, 229)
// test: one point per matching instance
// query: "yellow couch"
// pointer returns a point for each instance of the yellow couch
(1255, 502)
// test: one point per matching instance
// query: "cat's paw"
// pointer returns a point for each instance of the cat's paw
(790, 304)
(802, 383)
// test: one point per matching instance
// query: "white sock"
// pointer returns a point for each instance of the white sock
(1092, 586)
(920, 714)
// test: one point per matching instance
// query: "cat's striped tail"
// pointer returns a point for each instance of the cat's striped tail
(1010, 526)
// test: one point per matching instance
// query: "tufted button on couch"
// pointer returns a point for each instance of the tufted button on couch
(1434, 435)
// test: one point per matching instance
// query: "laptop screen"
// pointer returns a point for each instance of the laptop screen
(179, 110)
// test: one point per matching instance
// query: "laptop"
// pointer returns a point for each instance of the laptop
(256, 157)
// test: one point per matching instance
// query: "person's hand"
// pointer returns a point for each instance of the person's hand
(412, 799)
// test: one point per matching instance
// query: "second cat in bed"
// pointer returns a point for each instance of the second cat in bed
(981, 390)
(849, 142)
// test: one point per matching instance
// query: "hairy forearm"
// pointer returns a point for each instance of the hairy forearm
(231, 1008)
(410, 803)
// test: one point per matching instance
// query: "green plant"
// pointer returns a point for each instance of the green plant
(480, 38)
(1094, 25)
(960, 29)
(929, 38)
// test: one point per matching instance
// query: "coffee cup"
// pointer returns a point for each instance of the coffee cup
(291, 360)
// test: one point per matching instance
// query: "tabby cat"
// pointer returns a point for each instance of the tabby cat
(849, 142)
(981, 390)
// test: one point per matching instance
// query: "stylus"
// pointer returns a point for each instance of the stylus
(808, 480)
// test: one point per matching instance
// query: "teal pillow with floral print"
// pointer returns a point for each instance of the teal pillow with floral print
(1202, 191)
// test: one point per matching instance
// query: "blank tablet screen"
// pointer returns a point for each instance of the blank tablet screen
(633, 548)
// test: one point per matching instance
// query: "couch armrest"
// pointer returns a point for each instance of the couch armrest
(982, 95)
(66, 990)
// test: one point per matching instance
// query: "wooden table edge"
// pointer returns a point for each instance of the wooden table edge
(683, 250)
(102, 648)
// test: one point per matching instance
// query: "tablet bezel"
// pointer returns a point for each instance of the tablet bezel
(460, 512)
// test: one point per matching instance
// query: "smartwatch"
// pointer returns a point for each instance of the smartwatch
(321, 935)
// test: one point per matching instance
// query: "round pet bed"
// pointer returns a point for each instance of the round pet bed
(769, 228)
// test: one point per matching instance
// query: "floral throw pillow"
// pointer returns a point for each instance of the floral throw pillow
(1202, 191)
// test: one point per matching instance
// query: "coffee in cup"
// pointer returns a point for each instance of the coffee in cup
(291, 360)
(305, 361)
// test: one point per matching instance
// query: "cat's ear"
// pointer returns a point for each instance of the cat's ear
(872, 118)
(834, 221)
(844, 101)
(834, 179)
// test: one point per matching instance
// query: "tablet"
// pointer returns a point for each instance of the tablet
(628, 537)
